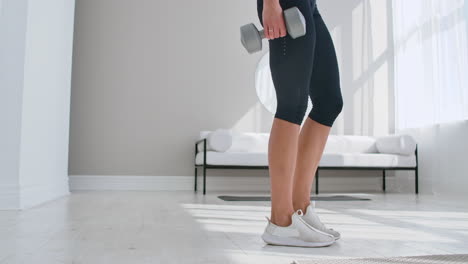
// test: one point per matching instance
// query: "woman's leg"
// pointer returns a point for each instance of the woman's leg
(282, 151)
(325, 93)
(312, 140)
(291, 62)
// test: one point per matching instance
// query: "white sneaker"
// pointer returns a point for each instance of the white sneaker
(298, 233)
(312, 219)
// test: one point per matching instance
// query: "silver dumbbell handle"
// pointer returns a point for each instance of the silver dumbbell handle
(262, 33)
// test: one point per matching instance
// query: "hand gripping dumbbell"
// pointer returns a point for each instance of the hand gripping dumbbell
(251, 37)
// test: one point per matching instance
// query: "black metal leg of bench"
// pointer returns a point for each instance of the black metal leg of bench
(316, 182)
(416, 180)
(416, 171)
(383, 180)
(204, 179)
(195, 179)
(195, 163)
(204, 167)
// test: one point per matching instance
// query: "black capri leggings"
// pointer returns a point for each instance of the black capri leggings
(306, 66)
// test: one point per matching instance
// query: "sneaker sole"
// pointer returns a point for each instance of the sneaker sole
(335, 237)
(289, 241)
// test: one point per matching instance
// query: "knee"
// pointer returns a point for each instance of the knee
(337, 107)
(326, 113)
(291, 111)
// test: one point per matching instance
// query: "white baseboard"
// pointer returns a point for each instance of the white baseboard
(129, 182)
(220, 183)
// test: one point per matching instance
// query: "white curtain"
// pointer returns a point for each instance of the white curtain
(431, 61)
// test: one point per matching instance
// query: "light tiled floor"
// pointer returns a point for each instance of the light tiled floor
(184, 227)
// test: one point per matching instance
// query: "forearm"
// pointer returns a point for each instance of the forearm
(270, 2)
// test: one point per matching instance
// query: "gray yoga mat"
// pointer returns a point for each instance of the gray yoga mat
(432, 259)
(267, 198)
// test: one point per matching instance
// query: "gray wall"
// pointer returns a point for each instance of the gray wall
(149, 75)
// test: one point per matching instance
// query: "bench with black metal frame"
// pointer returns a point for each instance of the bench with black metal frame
(383, 169)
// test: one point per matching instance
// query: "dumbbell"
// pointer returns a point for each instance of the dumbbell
(251, 37)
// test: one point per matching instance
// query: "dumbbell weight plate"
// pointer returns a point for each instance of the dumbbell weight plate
(295, 22)
(251, 38)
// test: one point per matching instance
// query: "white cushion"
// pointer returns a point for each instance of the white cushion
(350, 144)
(240, 141)
(219, 140)
(328, 159)
(249, 142)
(396, 144)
